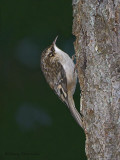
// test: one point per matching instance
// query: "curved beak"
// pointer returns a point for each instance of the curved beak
(54, 42)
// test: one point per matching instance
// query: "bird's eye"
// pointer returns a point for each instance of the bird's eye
(51, 54)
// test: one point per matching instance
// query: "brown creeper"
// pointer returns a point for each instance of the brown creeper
(58, 69)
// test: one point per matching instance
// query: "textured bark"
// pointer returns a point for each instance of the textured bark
(96, 26)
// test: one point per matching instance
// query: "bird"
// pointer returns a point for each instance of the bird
(59, 71)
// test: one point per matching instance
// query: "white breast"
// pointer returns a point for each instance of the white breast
(68, 65)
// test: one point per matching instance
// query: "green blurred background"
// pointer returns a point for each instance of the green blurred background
(35, 124)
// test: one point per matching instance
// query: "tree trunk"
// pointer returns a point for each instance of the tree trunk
(96, 26)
